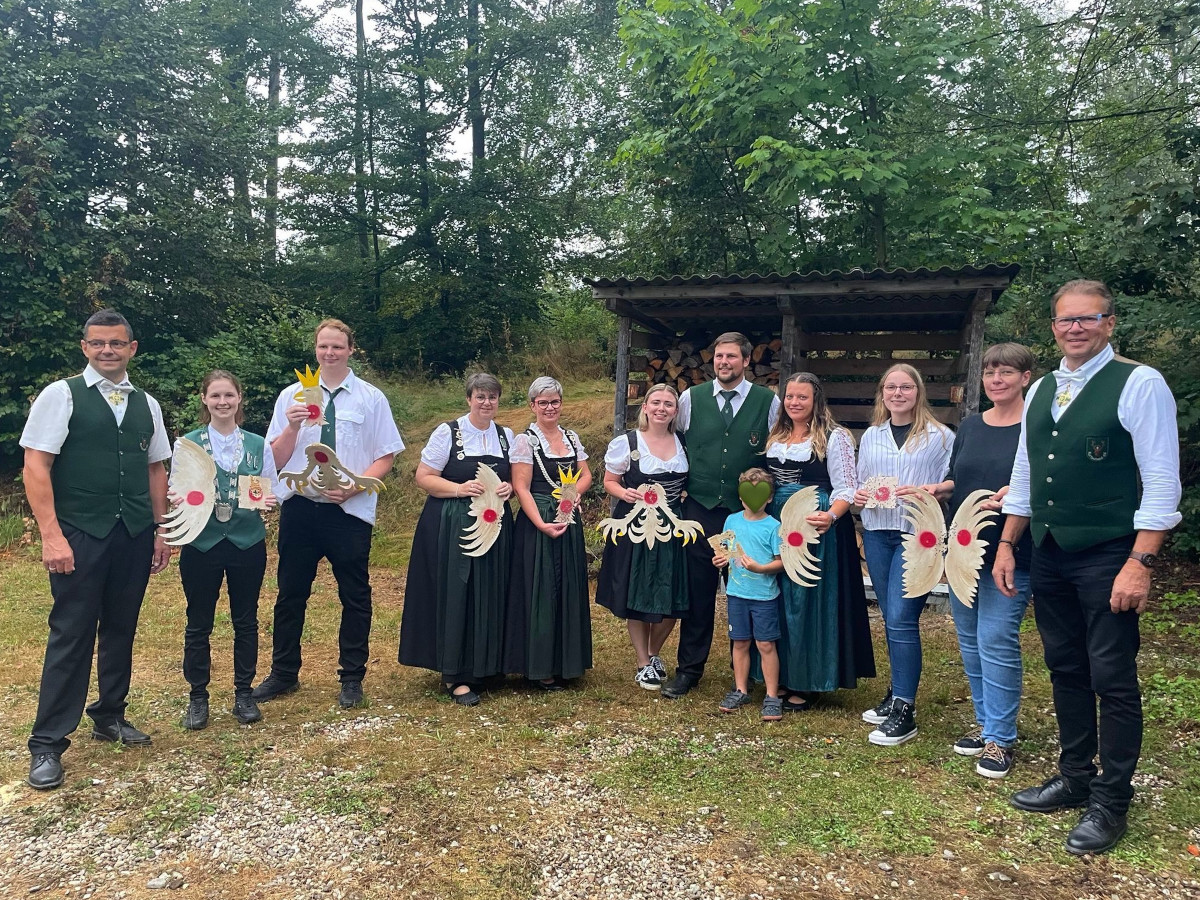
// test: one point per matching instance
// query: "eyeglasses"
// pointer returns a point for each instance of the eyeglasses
(547, 404)
(1064, 323)
(1003, 373)
(100, 345)
(899, 388)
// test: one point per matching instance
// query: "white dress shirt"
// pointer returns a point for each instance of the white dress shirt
(683, 418)
(1146, 409)
(366, 432)
(839, 459)
(927, 463)
(618, 457)
(476, 442)
(46, 427)
(521, 453)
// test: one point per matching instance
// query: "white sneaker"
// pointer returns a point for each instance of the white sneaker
(648, 679)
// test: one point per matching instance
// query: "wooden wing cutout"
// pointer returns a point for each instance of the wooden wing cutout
(193, 480)
(651, 520)
(800, 537)
(930, 550)
(488, 510)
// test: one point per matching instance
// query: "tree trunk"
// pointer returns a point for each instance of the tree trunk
(360, 100)
(271, 206)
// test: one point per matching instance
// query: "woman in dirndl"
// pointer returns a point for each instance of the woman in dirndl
(646, 586)
(549, 624)
(455, 604)
(826, 637)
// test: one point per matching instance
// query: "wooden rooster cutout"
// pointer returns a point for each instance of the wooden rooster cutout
(488, 510)
(325, 472)
(800, 537)
(651, 520)
(193, 480)
(931, 549)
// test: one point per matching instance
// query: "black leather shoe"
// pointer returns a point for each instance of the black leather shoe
(245, 710)
(273, 686)
(120, 732)
(679, 685)
(45, 771)
(350, 695)
(196, 716)
(1097, 832)
(550, 687)
(1051, 796)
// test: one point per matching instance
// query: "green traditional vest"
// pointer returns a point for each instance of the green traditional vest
(1083, 477)
(101, 476)
(719, 454)
(245, 527)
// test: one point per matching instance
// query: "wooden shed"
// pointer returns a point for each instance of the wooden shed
(845, 327)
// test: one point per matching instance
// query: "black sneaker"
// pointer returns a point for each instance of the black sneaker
(273, 686)
(995, 762)
(351, 695)
(245, 710)
(659, 667)
(196, 717)
(734, 701)
(648, 678)
(970, 744)
(897, 728)
(877, 715)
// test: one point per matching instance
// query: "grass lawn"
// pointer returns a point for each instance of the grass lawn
(602, 791)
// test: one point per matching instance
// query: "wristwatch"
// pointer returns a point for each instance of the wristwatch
(1146, 559)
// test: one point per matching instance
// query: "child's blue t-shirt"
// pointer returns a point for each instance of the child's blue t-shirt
(760, 541)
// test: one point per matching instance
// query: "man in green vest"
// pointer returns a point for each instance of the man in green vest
(726, 422)
(95, 480)
(1096, 480)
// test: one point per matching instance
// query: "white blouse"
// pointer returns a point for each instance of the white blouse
(839, 458)
(521, 453)
(475, 443)
(926, 464)
(617, 457)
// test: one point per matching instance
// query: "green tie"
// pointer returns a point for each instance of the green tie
(329, 429)
(727, 407)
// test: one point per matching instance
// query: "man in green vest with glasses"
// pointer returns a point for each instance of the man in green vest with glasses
(1096, 481)
(726, 422)
(95, 480)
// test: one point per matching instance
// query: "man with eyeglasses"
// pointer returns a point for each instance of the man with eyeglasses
(95, 480)
(1096, 480)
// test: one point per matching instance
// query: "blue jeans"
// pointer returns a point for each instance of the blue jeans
(901, 615)
(990, 643)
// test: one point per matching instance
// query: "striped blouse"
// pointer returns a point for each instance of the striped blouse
(879, 455)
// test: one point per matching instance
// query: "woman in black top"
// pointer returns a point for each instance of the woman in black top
(988, 631)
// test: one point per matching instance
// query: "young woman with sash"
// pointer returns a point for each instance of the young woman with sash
(826, 637)
(549, 624)
(231, 548)
(455, 605)
(646, 586)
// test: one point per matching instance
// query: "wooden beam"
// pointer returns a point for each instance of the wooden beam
(621, 308)
(865, 390)
(642, 340)
(624, 329)
(844, 366)
(831, 289)
(854, 415)
(712, 312)
(891, 340)
(973, 355)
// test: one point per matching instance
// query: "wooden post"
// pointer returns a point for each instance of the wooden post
(624, 329)
(973, 351)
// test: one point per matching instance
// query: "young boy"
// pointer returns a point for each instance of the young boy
(751, 593)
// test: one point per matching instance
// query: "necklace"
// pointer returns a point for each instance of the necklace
(223, 508)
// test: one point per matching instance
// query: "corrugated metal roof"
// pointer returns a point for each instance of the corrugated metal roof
(1009, 270)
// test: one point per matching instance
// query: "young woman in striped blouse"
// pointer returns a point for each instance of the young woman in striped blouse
(906, 442)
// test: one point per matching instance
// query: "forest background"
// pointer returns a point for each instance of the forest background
(444, 173)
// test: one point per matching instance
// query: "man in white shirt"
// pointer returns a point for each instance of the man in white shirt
(332, 524)
(95, 480)
(1096, 480)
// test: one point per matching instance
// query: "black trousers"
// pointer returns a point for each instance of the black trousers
(308, 532)
(202, 573)
(696, 628)
(1091, 653)
(100, 599)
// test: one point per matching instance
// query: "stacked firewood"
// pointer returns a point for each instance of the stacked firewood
(687, 364)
